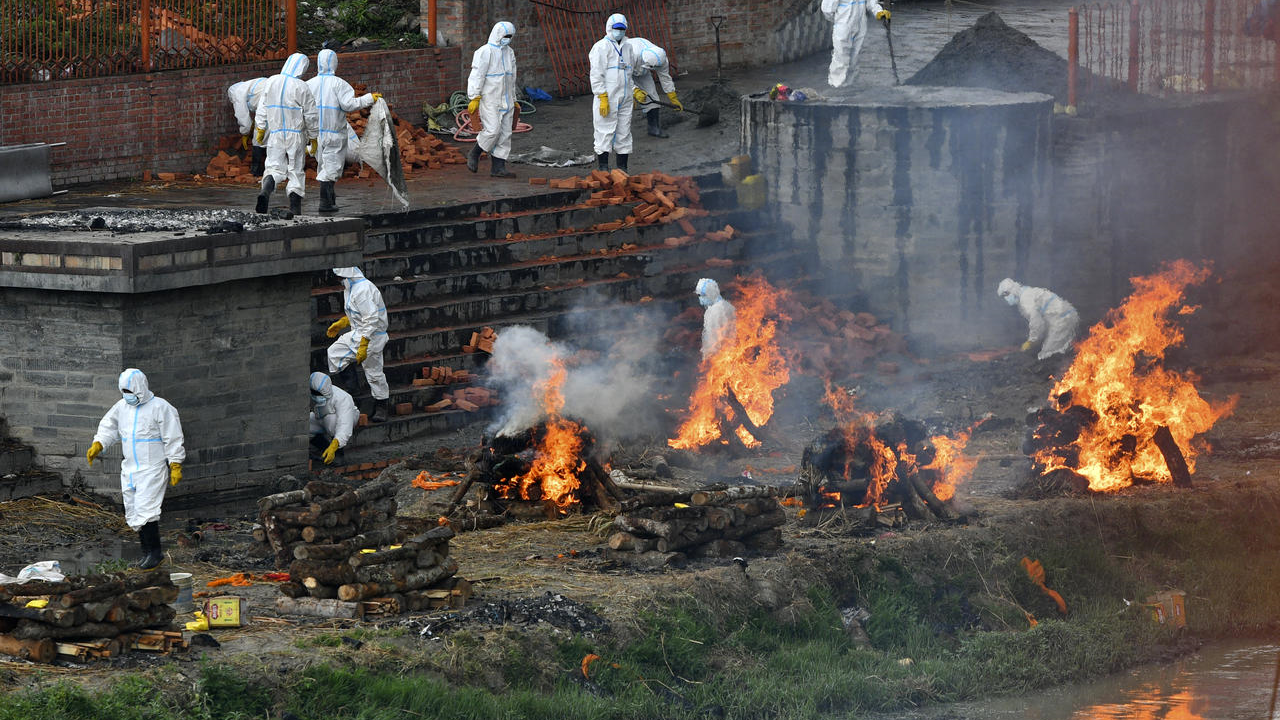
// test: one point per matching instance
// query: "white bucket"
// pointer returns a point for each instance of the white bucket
(185, 603)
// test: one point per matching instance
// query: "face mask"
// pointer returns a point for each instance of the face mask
(130, 398)
(704, 301)
(1011, 299)
(319, 399)
(617, 34)
(504, 41)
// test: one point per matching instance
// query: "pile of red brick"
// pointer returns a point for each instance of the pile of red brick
(481, 340)
(831, 342)
(469, 399)
(442, 375)
(661, 197)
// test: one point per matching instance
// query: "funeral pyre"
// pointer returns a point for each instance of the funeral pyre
(91, 616)
(347, 557)
(1118, 416)
(712, 523)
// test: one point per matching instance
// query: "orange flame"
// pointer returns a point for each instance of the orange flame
(553, 475)
(749, 365)
(1118, 374)
(954, 467)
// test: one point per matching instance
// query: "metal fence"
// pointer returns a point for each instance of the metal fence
(1170, 46)
(46, 40)
(571, 27)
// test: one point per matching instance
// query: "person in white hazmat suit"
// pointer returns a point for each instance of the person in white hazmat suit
(850, 29)
(150, 436)
(651, 59)
(365, 326)
(244, 97)
(1051, 319)
(612, 65)
(492, 89)
(289, 124)
(333, 418)
(334, 99)
(719, 320)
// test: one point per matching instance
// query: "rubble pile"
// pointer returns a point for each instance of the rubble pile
(345, 561)
(88, 616)
(714, 524)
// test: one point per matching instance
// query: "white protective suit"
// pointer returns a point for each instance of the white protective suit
(651, 59)
(333, 412)
(334, 99)
(612, 64)
(291, 121)
(850, 18)
(150, 436)
(244, 97)
(493, 80)
(1050, 318)
(368, 315)
(719, 320)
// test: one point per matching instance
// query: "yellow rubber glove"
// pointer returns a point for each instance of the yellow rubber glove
(474, 105)
(377, 97)
(675, 100)
(244, 142)
(94, 451)
(604, 104)
(362, 352)
(883, 15)
(330, 452)
(338, 326)
(1026, 346)
(641, 96)
(261, 136)
(311, 148)
(175, 473)
(38, 604)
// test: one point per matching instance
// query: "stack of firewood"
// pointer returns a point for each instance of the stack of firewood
(326, 513)
(713, 523)
(86, 616)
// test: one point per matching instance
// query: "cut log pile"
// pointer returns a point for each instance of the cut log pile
(88, 616)
(348, 554)
(721, 523)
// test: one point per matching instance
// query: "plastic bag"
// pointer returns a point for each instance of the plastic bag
(50, 570)
(380, 150)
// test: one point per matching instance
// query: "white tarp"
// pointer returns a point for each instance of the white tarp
(380, 150)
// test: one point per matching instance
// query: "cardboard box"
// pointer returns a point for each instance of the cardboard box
(1168, 607)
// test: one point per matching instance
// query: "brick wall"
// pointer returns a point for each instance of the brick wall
(117, 127)
(766, 31)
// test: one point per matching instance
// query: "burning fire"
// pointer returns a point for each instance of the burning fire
(1118, 374)
(750, 366)
(557, 460)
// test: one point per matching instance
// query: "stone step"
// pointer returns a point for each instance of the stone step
(15, 457)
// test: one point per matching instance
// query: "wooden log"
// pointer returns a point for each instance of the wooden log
(342, 550)
(317, 607)
(606, 481)
(387, 572)
(431, 538)
(92, 593)
(96, 612)
(303, 518)
(1173, 456)
(134, 620)
(741, 417)
(260, 533)
(323, 592)
(653, 499)
(940, 508)
(428, 557)
(456, 499)
(334, 504)
(144, 598)
(376, 489)
(34, 587)
(730, 494)
(392, 604)
(325, 572)
(912, 502)
(292, 589)
(644, 527)
(327, 535)
(58, 616)
(364, 559)
(413, 581)
(623, 481)
(751, 526)
(627, 541)
(42, 650)
(322, 489)
(272, 502)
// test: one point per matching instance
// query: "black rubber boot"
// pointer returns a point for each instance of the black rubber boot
(602, 161)
(473, 158)
(295, 203)
(499, 168)
(379, 411)
(622, 162)
(264, 197)
(257, 160)
(655, 123)
(348, 379)
(328, 203)
(152, 552)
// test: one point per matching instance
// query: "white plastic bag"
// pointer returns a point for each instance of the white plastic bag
(380, 150)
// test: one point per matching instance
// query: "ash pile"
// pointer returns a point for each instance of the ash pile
(91, 616)
(339, 544)
(723, 523)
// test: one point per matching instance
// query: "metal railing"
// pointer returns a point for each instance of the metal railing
(1168, 46)
(45, 40)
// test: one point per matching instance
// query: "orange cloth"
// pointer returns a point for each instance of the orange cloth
(1035, 571)
(586, 663)
(426, 482)
(238, 580)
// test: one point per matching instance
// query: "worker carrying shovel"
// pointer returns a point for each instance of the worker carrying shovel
(850, 29)
(652, 59)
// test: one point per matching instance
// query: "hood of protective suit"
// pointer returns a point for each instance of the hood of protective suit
(1009, 290)
(348, 272)
(613, 20)
(133, 380)
(321, 384)
(499, 30)
(295, 65)
(651, 57)
(326, 62)
(708, 291)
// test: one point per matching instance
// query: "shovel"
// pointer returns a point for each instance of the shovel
(707, 116)
(892, 61)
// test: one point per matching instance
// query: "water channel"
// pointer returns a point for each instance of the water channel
(1223, 681)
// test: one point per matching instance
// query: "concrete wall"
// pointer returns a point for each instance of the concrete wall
(914, 201)
(753, 33)
(171, 121)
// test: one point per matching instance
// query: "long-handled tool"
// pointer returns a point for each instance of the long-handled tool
(893, 62)
(707, 116)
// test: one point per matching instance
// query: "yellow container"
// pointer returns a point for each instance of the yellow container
(1168, 607)
(753, 192)
(224, 611)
